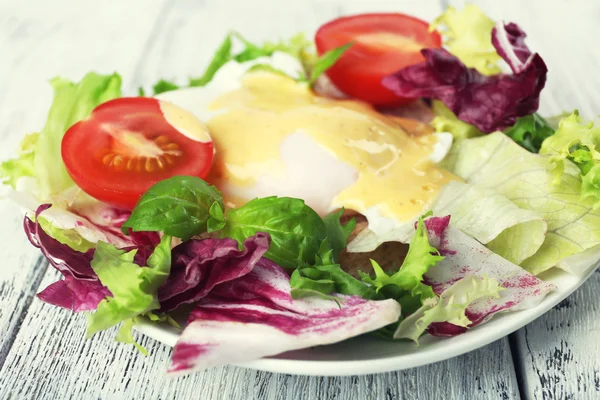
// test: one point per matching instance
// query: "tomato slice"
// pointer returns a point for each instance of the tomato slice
(129, 144)
(382, 44)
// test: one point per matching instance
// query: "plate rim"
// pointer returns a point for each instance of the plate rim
(476, 338)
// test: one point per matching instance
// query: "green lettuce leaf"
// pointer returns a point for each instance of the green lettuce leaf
(72, 103)
(327, 277)
(12, 170)
(326, 61)
(409, 278)
(125, 334)
(446, 121)
(178, 206)
(222, 55)
(530, 131)
(41, 153)
(134, 288)
(338, 234)
(70, 237)
(468, 35)
(297, 46)
(497, 163)
(578, 143)
(515, 234)
(163, 86)
(296, 230)
(450, 306)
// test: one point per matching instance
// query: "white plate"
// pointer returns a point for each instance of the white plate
(367, 355)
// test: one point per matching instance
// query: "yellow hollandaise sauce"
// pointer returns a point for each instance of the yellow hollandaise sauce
(393, 169)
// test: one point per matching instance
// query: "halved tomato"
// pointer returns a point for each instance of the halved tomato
(382, 44)
(129, 144)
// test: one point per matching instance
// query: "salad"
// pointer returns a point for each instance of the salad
(393, 178)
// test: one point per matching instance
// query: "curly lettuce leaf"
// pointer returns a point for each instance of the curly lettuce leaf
(133, 288)
(420, 257)
(530, 132)
(497, 163)
(446, 121)
(12, 170)
(338, 233)
(467, 34)
(580, 144)
(515, 234)
(70, 237)
(72, 103)
(297, 46)
(449, 307)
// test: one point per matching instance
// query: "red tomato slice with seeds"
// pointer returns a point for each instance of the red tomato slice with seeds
(129, 144)
(382, 44)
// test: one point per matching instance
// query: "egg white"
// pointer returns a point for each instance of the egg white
(309, 171)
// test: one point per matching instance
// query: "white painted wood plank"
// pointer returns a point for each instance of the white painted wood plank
(37, 44)
(559, 354)
(51, 359)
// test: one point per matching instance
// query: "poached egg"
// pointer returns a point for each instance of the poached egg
(275, 136)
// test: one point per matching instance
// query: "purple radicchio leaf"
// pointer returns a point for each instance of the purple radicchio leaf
(465, 256)
(255, 316)
(80, 289)
(490, 103)
(197, 266)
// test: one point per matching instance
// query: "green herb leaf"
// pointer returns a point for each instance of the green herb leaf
(217, 219)
(420, 257)
(40, 155)
(296, 229)
(446, 121)
(326, 61)
(530, 131)
(178, 206)
(266, 67)
(327, 279)
(222, 55)
(338, 234)
(125, 335)
(23, 165)
(133, 287)
(164, 86)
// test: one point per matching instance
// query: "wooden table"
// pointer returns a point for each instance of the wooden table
(43, 353)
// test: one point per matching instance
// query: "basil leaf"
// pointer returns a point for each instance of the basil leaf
(296, 229)
(217, 218)
(178, 206)
(326, 61)
(222, 55)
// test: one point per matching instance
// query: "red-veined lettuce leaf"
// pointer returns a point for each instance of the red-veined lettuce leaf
(253, 316)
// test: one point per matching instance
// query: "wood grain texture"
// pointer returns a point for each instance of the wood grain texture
(49, 357)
